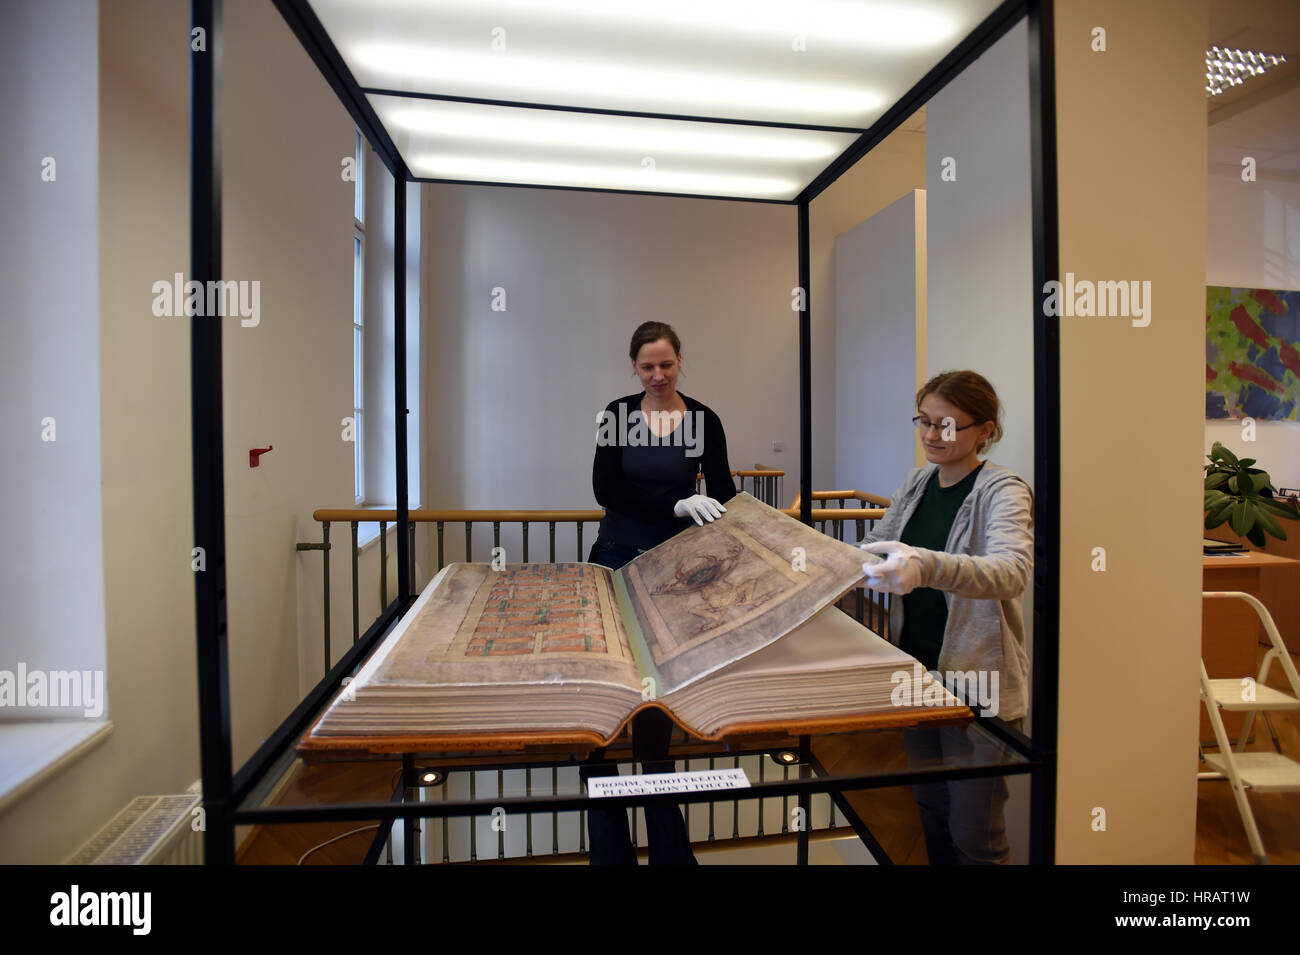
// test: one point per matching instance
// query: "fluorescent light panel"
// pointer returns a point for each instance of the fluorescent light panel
(873, 25)
(817, 62)
(470, 141)
(568, 82)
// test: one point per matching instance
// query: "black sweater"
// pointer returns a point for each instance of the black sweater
(639, 515)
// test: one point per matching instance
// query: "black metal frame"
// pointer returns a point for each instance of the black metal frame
(225, 795)
(802, 788)
(207, 458)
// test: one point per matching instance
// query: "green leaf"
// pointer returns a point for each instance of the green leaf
(1227, 456)
(1246, 462)
(1256, 537)
(1279, 509)
(1268, 523)
(1232, 484)
(1245, 484)
(1239, 520)
(1217, 479)
(1219, 514)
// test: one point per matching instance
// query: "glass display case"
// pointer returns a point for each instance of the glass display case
(529, 803)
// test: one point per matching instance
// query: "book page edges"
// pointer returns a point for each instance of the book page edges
(517, 742)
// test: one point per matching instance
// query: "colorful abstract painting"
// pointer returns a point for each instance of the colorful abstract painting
(1252, 353)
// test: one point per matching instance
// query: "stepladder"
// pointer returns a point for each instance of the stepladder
(1261, 772)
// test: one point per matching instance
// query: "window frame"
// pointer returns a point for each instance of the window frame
(359, 322)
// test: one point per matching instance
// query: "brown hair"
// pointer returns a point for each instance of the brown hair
(971, 392)
(648, 332)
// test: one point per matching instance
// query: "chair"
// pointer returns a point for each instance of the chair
(1262, 772)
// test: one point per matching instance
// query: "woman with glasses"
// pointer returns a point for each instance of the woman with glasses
(957, 545)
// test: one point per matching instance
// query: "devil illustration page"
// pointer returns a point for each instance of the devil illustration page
(715, 594)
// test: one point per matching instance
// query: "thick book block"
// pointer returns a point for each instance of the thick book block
(726, 627)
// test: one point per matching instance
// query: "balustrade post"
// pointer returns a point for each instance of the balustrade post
(356, 612)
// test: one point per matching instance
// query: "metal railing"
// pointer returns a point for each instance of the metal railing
(730, 824)
(764, 483)
(860, 515)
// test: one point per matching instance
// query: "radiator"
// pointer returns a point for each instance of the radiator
(149, 830)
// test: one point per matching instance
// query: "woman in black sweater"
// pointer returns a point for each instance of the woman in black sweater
(649, 448)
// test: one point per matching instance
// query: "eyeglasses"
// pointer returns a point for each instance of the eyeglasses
(923, 424)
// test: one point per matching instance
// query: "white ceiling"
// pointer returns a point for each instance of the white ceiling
(1260, 118)
(822, 63)
(1269, 131)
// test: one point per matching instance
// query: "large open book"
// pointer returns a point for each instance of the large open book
(726, 626)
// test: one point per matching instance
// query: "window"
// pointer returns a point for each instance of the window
(358, 323)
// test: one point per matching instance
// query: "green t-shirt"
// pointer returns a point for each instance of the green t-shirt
(925, 611)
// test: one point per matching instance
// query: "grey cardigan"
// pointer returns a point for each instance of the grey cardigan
(983, 571)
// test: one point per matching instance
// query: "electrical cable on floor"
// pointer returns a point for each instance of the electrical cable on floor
(335, 839)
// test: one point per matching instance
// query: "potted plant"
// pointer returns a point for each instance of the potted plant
(1243, 497)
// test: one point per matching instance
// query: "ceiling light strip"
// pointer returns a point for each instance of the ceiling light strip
(618, 177)
(721, 91)
(603, 111)
(620, 192)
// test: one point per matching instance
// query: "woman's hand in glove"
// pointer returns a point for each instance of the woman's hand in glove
(699, 507)
(898, 573)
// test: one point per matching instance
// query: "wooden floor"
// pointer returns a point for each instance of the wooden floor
(890, 813)
(314, 785)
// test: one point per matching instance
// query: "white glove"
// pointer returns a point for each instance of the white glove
(699, 507)
(898, 573)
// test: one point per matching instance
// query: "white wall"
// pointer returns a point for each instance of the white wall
(49, 366)
(876, 347)
(1253, 241)
(288, 381)
(512, 396)
(979, 237)
(288, 224)
(890, 171)
(979, 247)
(143, 372)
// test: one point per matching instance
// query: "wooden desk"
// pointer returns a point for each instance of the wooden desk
(1279, 584)
(1230, 629)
